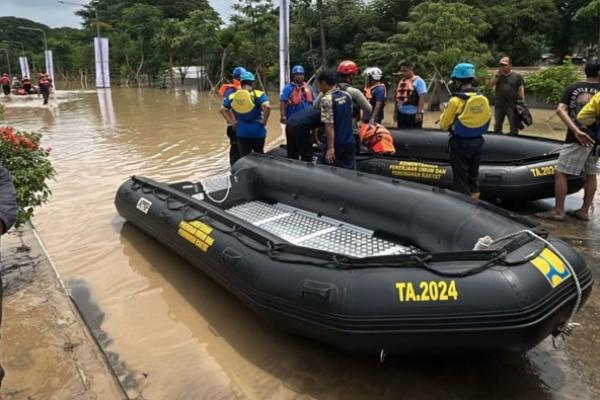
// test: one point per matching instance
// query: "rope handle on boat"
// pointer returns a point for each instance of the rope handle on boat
(220, 201)
(566, 329)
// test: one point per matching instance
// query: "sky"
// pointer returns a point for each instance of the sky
(53, 14)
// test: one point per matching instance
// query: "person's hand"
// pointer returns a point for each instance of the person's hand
(371, 122)
(330, 156)
(283, 119)
(583, 138)
(419, 117)
(234, 126)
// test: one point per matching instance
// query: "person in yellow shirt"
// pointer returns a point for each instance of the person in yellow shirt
(467, 118)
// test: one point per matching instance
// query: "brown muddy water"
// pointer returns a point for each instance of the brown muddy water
(172, 333)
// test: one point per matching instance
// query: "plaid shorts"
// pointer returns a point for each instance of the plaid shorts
(575, 158)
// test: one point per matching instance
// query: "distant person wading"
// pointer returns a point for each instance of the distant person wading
(510, 91)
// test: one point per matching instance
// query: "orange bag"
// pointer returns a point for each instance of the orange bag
(377, 139)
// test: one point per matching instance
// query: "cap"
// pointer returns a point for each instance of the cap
(505, 61)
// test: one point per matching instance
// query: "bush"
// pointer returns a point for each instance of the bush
(548, 84)
(28, 163)
(1, 112)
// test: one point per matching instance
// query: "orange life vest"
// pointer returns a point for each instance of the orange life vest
(406, 93)
(236, 85)
(5, 80)
(377, 139)
(369, 91)
(299, 94)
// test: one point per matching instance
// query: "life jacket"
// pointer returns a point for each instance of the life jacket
(475, 117)
(44, 81)
(243, 104)
(235, 86)
(406, 93)
(369, 91)
(377, 139)
(5, 81)
(301, 93)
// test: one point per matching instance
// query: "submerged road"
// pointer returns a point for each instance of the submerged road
(172, 333)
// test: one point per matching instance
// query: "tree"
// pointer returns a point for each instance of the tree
(590, 14)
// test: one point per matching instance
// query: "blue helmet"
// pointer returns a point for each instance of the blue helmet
(247, 76)
(298, 69)
(463, 71)
(238, 71)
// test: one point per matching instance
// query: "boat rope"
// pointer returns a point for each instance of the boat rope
(566, 329)
(207, 193)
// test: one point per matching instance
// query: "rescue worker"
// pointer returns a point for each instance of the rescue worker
(467, 118)
(45, 86)
(346, 71)
(510, 91)
(27, 86)
(5, 82)
(336, 115)
(295, 96)
(247, 110)
(298, 133)
(410, 98)
(225, 91)
(376, 94)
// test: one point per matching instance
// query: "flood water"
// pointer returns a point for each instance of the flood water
(172, 333)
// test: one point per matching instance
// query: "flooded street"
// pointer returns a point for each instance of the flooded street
(172, 333)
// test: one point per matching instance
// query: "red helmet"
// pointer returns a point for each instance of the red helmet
(348, 67)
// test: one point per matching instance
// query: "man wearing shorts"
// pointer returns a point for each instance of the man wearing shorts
(579, 154)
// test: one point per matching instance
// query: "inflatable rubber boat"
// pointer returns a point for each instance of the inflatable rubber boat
(513, 168)
(365, 263)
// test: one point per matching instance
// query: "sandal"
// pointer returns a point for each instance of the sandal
(551, 215)
(579, 214)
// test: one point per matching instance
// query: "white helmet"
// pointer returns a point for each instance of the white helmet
(374, 73)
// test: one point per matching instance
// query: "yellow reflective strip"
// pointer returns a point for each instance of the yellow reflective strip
(201, 235)
(186, 235)
(187, 227)
(209, 240)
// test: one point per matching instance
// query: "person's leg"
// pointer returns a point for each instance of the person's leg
(292, 143)
(304, 143)
(513, 120)
(499, 114)
(560, 192)
(589, 193)
(244, 146)
(474, 161)
(234, 153)
(345, 157)
(406, 121)
(258, 145)
(459, 164)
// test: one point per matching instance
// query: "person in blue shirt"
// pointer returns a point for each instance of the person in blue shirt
(336, 116)
(298, 133)
(376, 93)
(247, 111)
(295, 96)
(410, 98)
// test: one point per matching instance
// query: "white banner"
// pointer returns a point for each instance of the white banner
(102, 67)
(24, 64)
(50, 66)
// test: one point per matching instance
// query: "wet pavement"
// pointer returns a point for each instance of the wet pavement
(47, 350)
(172, 333)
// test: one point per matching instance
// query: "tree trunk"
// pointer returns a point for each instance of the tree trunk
(139, 69)
(171, 74)
(322, 32)
(223, 59)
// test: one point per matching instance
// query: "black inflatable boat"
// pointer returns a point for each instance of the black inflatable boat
(366, 263)
(513, 168)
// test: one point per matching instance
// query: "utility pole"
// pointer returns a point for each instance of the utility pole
(322, 31)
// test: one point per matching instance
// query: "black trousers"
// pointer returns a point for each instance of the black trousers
(6, 89)
(234, 153)
(465, 157)
(408, 121)
(249, 145)
(299, 144)
(45, 94)
(509, 112)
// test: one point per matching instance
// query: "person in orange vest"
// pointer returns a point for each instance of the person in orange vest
(295, 96)
(5, 81)
(410, 98)
(45, 85)
(225, 91)
(27, 86)
(376, 93)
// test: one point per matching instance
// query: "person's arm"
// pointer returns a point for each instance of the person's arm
(266, 108)
(8, 201)
(494, 80)
(229, 117)
(521, 89)
(449, 115)
(590, 112)
(283, 99)
(421, 89)
(580, 135)
(360, 100)
(379, 100)
(327, 120)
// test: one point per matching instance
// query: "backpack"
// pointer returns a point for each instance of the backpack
(475, 117)
(377, 139)
(244, 101)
